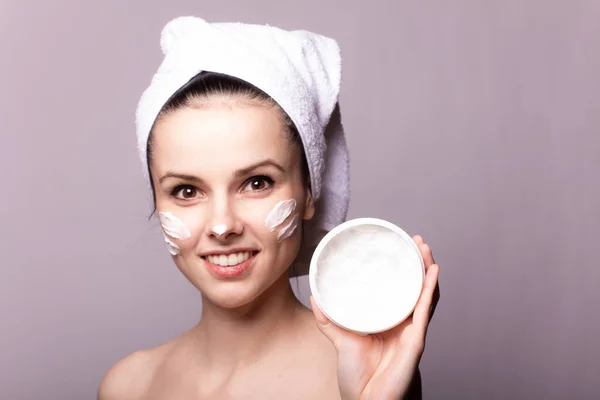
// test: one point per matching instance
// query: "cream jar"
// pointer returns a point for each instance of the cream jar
(366, 275)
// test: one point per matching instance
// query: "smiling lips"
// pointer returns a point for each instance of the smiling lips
(228, 260)
(231, 265)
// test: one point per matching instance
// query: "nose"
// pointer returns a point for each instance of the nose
(223, 223)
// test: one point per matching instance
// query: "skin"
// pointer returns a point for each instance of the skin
(254, 338)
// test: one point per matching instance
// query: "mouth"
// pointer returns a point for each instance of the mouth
(229, 259)
(230, 265)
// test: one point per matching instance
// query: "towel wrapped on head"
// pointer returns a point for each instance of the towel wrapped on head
(299, 70)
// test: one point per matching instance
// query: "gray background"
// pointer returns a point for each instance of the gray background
(473, 123)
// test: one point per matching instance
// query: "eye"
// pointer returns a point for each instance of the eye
(258, 184)
(185, 192)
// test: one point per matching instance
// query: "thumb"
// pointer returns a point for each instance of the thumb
(334, 333)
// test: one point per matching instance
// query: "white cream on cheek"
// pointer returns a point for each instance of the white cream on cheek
(172, 247)
(175, 228)
(287, 230)
(279, 214)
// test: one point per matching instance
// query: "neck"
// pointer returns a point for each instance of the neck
(232, 338)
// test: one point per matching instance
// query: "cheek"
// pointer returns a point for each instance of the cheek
(276, 225)
(288, 228)
(282, 219)
(253, 217)
(280, 212)
(181, 229)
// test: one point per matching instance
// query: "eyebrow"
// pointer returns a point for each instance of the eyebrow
(240, 172)
(269, 162)
(185, 177)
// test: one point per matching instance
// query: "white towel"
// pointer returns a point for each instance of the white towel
(300, 70)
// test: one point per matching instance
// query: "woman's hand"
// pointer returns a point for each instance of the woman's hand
(381, 366)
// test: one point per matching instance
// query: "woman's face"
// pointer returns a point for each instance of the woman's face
(219, 171)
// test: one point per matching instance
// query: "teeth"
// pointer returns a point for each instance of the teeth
(228, 260)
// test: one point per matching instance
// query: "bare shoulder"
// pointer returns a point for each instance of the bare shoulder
(315, 338)
(131, 376)
(315, 344)
(319, 379)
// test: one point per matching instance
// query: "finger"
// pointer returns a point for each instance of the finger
(418, 239)
(334, 333)
(426, 254)
(421, 314)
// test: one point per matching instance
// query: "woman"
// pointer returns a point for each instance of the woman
(234, 185)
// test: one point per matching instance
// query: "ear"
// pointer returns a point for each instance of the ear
(309, 206)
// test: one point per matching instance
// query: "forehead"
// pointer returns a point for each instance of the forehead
(219, 136)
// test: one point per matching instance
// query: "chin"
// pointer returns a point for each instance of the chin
(231, 295)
